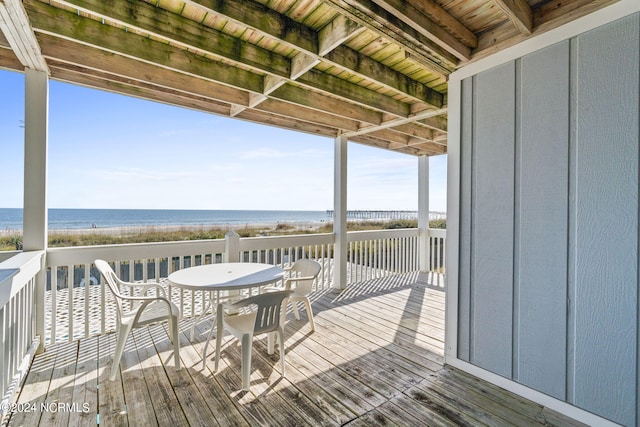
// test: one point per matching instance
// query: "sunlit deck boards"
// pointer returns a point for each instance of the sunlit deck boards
(375, 358)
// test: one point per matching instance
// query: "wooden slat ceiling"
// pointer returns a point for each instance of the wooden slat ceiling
(375, 70)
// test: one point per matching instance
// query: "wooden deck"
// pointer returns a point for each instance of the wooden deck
(375, 359)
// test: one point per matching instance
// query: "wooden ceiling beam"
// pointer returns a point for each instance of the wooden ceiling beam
(416, 17)
(438, 123)
(172, 97)
(546, 16)
(147, 78)
(397, 122)
(519, 13)
(270, 23)
(398, 147)
(424, 147)
(301, 63)
(289, 98)
(333, 34)
(445, 20)
(67, 51)
(418, 46)
(416, 130)
(276, 120)
(9, 61)
(118, 84)
(336, 32)
(47, 19)
(308, 115)
(14, 23)
(301, 96)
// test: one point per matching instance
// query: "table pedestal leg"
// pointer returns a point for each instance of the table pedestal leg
(219, 332)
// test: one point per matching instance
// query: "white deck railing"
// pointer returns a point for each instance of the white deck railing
(437, 243)
(74, 310)
(373, 254)
(17, 321)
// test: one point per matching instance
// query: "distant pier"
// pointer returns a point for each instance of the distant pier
(385, 215)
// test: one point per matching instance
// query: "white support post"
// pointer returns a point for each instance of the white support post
(232, 246)
(35, 215)
(423, 212)
(340, 213)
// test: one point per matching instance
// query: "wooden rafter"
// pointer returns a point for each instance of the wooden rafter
(416, 15)
(397, 122)
(335, 33)
(372, 70)
(14, 23)
(305, 40)
(519, 13)
(422, 49)
(331, 36)
(47, 19)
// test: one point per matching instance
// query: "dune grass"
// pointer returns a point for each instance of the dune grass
(13, 241)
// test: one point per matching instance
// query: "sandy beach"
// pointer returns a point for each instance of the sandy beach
(129, 230)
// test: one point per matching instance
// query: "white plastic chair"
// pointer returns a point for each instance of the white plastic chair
(144, 309)
(263, 317)
(301, 276)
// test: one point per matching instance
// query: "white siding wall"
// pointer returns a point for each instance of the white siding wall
(548, 220)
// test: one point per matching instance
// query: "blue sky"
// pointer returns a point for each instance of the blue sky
(111, 151)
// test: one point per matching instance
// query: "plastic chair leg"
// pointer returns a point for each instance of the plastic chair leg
(307, 305)
(123, 334)
(281, 344)
(173, 324)
(246, 360)
(296, 313)
(270, 343)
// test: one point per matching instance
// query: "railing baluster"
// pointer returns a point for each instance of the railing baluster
(87, 287)
(6, 351)
(71, 277)
(54, 305)
(370, 255)
(103, 305)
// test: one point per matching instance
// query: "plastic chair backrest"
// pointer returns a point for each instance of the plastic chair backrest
(304, 268)
(113, 281)
(268, 310)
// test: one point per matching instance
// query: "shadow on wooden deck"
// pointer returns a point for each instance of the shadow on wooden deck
(374, 359)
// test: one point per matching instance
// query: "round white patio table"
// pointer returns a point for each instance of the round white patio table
(228, 276)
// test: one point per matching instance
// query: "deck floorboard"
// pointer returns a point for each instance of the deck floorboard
(376, 358)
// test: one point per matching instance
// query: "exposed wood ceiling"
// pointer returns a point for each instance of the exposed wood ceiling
(375, 70)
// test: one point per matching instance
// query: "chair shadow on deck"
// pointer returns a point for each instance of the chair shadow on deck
(370, 361)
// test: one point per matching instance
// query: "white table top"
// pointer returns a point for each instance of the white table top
(225, 276)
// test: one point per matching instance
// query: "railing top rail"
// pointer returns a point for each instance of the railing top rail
(87, 254)
(269, 242)
(16, 272)
(438, 232)
(356, 236)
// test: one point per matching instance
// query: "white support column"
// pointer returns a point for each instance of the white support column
(35, 227)
(232, 246)
(423, 212)
(340, 213)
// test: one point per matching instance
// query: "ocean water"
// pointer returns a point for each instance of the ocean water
(62, 219)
